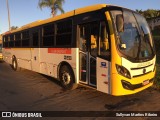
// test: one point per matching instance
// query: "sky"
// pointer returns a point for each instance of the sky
(26, 11)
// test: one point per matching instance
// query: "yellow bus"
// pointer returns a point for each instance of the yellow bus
(106, 47)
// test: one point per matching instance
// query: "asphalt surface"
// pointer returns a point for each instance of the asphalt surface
(29, 91)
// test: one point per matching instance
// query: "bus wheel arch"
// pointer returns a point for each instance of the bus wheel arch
(15, 66)
(66, 76)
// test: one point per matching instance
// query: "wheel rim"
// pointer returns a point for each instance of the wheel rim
(14, 64)
(66, 78)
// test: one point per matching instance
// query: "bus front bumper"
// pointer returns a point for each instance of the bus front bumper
(126, 86)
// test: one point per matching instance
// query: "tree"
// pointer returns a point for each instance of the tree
(139, 11)
(149, 13)
(14, 27)
(54, 5)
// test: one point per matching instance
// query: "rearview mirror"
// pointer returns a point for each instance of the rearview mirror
(120, 23)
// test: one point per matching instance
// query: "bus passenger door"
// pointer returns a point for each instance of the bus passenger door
(95, 55)
(88, 37)
(104, 60)
(35, 51)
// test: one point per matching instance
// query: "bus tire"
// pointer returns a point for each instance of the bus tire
(67, 78)
(15, 65)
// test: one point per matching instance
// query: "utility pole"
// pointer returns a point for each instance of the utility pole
(8, 15)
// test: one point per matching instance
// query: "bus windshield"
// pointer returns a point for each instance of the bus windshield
(135, 40)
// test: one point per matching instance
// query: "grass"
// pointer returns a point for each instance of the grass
(157, 77)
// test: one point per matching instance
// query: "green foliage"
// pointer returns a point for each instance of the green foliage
(54, 5)
(149, 13)
(14, 27)
(156, 31)
(157, 77)
(156, 38)
(157, 44)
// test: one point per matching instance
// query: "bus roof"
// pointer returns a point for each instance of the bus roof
(59, 17)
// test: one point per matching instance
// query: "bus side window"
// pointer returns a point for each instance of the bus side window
(104, 42)
(64, 33)
(83, 41)
(94, 35)
(48, 35)
(35, 39)
(5, 41)
(25, 39)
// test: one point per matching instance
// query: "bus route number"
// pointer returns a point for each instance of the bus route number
(67, 57)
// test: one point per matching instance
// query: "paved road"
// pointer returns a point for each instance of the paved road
(29, 91)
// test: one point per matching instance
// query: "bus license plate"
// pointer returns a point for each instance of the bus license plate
(145, 82)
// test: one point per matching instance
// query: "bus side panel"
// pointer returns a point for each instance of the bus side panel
(7, 55)
(23, 56)
(103, 75)
(35, 58)
(47, 63)
(51, 58)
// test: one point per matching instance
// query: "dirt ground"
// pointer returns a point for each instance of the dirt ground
(29, 91)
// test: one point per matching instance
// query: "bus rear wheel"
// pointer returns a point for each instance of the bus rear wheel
(15, 64)
(66, 77)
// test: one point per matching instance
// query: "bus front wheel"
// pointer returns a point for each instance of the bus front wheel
(66, 77)
(15, 64)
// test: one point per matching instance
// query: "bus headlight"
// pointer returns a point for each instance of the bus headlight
(123, 71)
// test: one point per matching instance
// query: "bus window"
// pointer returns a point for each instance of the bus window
(25, 38)
(104, 42)
(17, 40)
(5, 41)
(131, 41)
(48, 35)
(146, 43)
(64, 33)
(94, 28)
(35, 38)
(83, 39)
(89, 32)
(11, 42)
